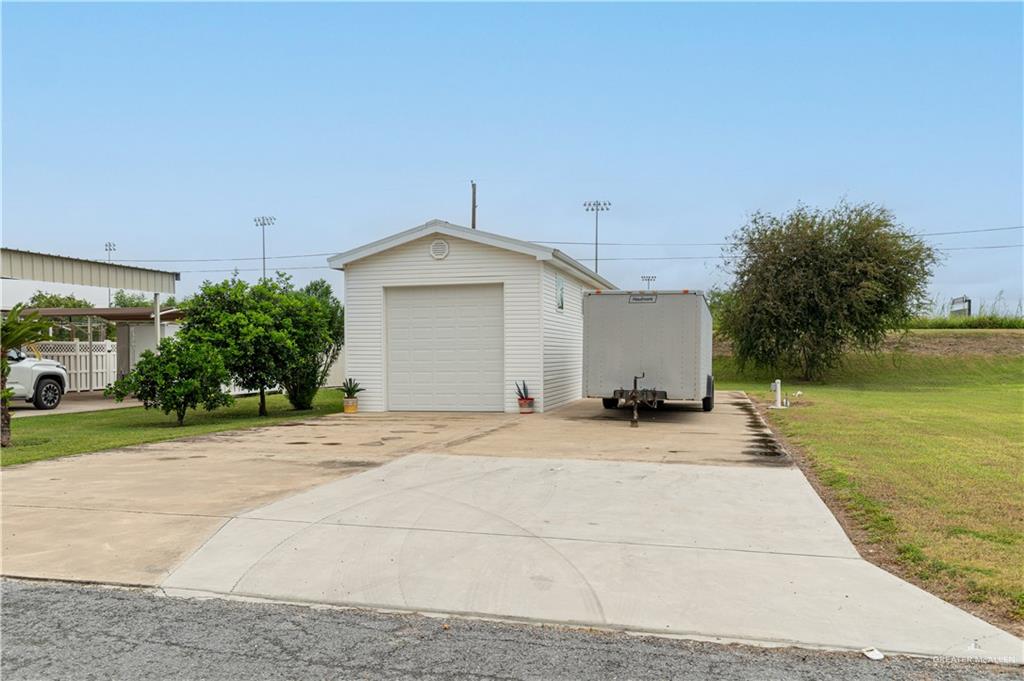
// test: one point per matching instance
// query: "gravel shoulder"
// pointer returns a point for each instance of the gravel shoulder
(62, 631)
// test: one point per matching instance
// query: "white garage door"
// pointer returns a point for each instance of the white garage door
(445, 348)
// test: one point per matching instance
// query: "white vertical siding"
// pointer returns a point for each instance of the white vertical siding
(563, 338)
(467, 263)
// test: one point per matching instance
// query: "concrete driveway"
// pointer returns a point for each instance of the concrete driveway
(130, 516)
(694, 524)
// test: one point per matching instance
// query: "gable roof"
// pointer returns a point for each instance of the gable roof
(555, 256)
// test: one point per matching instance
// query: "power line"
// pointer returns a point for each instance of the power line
(979, 248)
(257, 269)
(723, 257)
(972, 231)
(554, 243)
(269, 257)
(655, 243)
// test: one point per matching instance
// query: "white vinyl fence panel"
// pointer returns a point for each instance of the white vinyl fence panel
(74, 355)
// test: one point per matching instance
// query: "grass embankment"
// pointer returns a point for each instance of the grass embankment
(49, 437)
(925, 455)
(983, 321)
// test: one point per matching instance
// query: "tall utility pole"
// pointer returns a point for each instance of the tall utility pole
(648, 279)
(264, 221)
(596, 207)
(109, 247)
(472, 218)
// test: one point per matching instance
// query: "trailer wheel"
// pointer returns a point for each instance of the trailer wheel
(708, 403)
(610, 402)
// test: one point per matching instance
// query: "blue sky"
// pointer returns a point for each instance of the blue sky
(165, 128)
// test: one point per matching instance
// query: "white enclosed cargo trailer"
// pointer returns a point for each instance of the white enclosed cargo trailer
(645, 347)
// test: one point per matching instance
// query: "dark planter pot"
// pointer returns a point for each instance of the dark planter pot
(526, 406)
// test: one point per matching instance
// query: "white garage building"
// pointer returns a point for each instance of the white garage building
(445, 318)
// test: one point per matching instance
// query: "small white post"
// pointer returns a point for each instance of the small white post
(156, 320)
(777, 389)
(91, 374)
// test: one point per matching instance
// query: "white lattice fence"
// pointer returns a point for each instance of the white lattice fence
(74, 355)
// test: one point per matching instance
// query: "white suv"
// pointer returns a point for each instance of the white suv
(42, 382)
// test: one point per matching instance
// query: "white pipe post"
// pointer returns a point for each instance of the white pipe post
(156, 320)
(89, 327)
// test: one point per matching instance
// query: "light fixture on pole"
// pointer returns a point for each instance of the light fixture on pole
(109, 247)
(596, 207)
(264, 221)
(648, 279)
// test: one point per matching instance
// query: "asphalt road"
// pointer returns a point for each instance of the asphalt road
(63, 631)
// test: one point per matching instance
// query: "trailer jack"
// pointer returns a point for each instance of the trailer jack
(639, 395)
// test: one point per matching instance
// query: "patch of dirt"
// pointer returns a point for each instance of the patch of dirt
(880, 554)
(983, 342)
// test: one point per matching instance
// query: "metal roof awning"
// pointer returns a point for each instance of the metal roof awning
(62, 269)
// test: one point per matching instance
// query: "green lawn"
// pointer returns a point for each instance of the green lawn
(927, 454)
(48, 437)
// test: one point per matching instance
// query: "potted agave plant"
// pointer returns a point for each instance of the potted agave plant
(525, 401)
(350, 389)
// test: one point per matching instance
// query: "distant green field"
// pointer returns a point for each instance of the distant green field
(926, 454)
(52, 436)
(986, 321)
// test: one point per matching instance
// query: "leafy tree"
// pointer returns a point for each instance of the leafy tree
(15, 331)
(328, 354)
(308, 319)
(718, 301)
(246, 324)
(41, 299)
(811, 284)
(184, 375)
(46, 299)
(123, 298)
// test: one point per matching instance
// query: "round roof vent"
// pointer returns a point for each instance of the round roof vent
(439, 249)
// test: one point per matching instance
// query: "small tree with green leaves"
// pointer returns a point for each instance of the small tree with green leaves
(183, 375)
(316, 324)
(305, 319)
(16, 331)
(247, 325)
(813, 283)
(329, 352)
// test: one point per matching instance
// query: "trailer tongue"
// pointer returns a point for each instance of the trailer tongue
(657, 341)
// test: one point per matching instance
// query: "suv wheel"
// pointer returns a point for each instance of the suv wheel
(48, 394)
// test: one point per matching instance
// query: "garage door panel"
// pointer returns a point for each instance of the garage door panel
(445, 348)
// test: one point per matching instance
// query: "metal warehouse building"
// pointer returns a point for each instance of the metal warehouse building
(446, 318)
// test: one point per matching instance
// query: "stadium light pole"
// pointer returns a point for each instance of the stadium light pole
(596, 207)
(648, 279)
(109, 247)
(264, 221)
